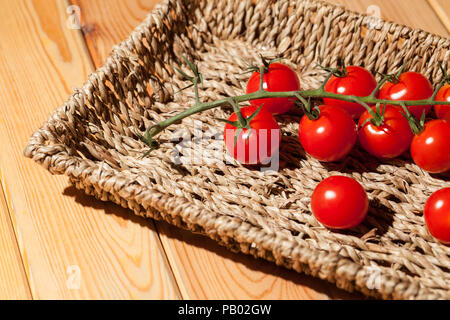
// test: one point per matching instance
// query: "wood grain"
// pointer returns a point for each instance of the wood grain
(413, 13)
(205, 270)
(13, 279)
(202, 268)
(442, 9)
(119, 256)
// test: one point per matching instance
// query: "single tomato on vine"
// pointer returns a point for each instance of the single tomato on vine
(430, 149)
(387, 135)
(409, 86)
(355, 81)
(437, 215)
(442, 111)
(276, 78)
(255, 142)
(331, 136)
(339, 202)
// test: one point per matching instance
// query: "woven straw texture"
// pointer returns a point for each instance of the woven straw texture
(92, 139)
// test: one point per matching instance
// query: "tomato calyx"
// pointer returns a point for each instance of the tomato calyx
(242, 122)
(417, 126)
(394, 77)
(267, 62)
(195, 79)
(148, 140)
(313, 113)
(264, 68)
(445, 80)
(194, 70)
(445, 76)
(378, 116)
(340, 71)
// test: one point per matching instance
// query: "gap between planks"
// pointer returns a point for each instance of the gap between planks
(15, 274)
(442, 10)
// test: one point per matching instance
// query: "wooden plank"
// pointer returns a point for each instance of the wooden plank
(413, 13)
(442, 9)
(13, 279)
(202, 268)
(76, 246)
(107, 22)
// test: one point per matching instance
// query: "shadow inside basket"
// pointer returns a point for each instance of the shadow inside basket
(138, 88)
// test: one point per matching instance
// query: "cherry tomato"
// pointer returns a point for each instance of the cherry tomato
(410, 86)
(339, 202)
(358, 82)
(437, 215)
(278, 78)
(389, 140)
(430, 149)
(443, 112)
(255, 146)
(329, 138)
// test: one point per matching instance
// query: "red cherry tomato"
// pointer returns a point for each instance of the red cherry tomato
(278, 78)
(411, 86)
(339, 203)
(443, 112)
(358, 82)
(437, 215)
(390, 139)
(430, 149)
(329, 138)
(255, 146)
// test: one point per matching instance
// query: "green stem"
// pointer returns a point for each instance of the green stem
(379, 85)
(260, 94)
(330, 74)
(261, 78)
(441, 84)
(197, 96)
(238, 112)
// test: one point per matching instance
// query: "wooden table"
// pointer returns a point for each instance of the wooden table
(57, 243)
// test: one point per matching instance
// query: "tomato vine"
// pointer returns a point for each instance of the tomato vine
(300, 96)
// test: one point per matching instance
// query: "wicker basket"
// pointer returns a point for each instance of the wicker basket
(92, 139)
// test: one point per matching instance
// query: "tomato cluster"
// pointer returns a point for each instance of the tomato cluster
(385, 131)
(328, 133)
